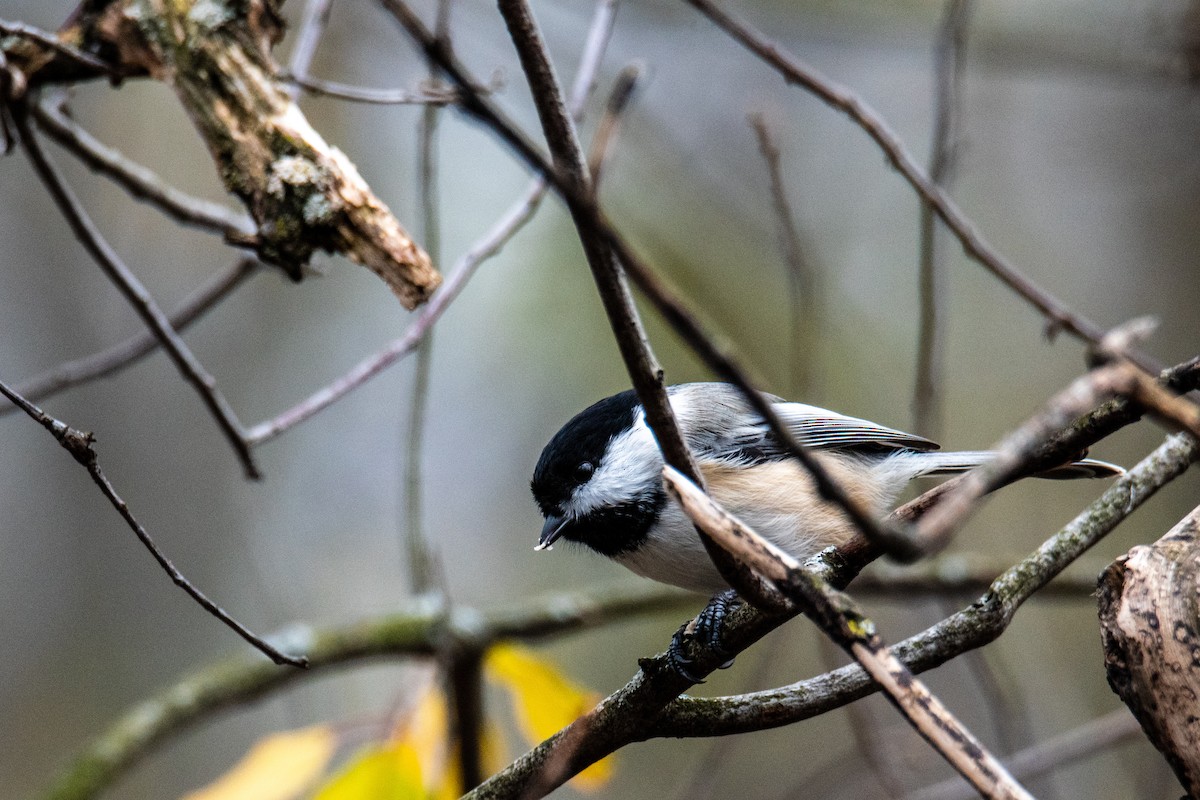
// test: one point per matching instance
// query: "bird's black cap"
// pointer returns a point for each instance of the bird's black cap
(584, 438)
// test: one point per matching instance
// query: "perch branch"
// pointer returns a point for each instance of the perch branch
(844, 622)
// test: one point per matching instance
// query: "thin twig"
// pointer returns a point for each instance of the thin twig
(79, 445)
(138, 180)
(976, 625)
(949, 65)
(489, 245)
(1015, 454)
(133, 290)
(312, 29)
(956, 575)
(424, 567)
(49, 40)
(609, 125)
(801, 281)
(115, 358)
(591, 220)
(1055, 753)
(843, 621)
(379, 97)
(1059, 317)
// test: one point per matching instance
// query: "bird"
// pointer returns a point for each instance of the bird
(598, 481)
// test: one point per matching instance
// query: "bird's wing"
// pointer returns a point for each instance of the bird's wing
(728, 430)
(823, 429)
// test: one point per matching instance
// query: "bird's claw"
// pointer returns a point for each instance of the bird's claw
(705, 629)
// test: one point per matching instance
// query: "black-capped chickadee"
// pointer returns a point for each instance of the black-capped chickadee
(599, 480)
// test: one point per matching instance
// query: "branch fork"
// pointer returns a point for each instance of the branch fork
(303, 194)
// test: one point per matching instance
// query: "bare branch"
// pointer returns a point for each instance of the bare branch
(957, 575)
(1022, 448)
(844, 622)
(57, 47)
(79, 445)
(492, 242)
(428, 96)
(949, 65)
(610, 122)
(303, 194)
(801, 281)
(975, 626)
(133, 290)
(308, 38)
(1058, 316)
(139, 181)
(412, 632)
(1049, 756)
(114, 359)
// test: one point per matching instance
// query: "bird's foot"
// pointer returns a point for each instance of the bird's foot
(705, 629)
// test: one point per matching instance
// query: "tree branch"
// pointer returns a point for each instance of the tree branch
(139, 181)
(949, 65)
(79, 445)
(975, 626)
(115, 358)
(1057, 314)
(844, 622)
(303, 194)
(413, 632)
(133, 291)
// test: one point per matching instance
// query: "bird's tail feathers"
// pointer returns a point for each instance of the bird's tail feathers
(939, 463)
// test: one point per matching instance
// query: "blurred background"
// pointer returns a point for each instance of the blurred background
(1077, 159)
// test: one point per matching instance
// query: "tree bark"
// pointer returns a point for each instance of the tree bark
(1150, 628)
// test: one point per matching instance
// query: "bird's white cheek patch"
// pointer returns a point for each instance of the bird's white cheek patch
(630, 469)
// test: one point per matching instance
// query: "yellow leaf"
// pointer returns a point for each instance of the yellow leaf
(427, 731)
(544, 701)
(277, 767)
(388, 772)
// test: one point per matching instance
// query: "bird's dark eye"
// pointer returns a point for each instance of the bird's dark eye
(584, 471)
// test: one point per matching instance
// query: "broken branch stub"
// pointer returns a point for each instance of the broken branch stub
(1150, 627)
(303, 193)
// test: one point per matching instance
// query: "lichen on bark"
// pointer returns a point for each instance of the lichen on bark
(304, 194)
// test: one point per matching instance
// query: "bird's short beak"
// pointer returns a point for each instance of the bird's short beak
(554, 527)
